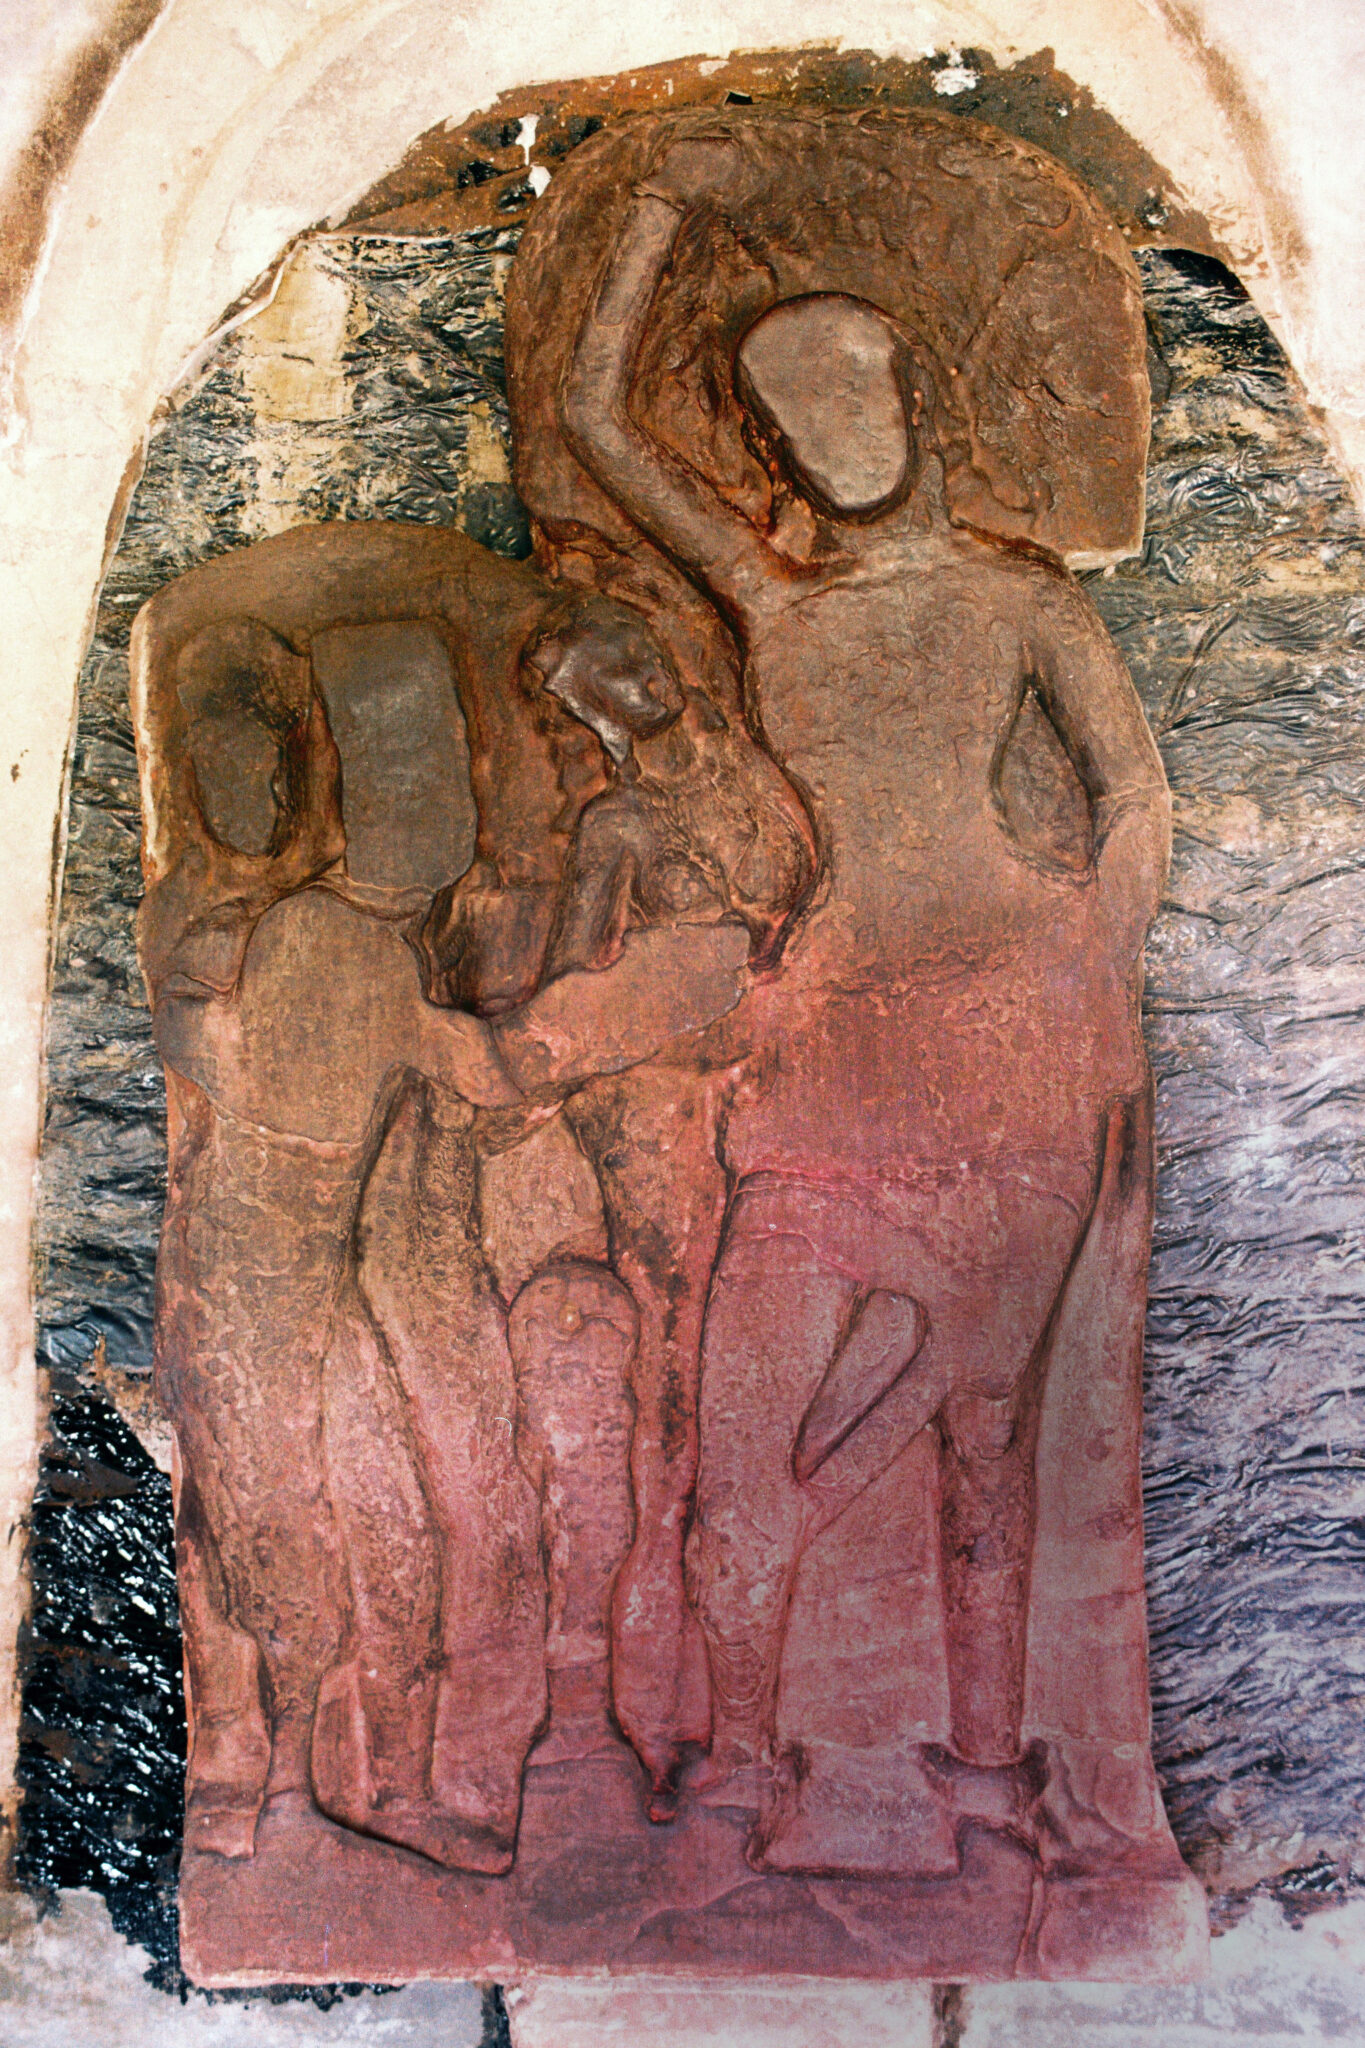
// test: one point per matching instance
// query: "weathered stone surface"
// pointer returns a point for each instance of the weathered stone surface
(1231, 421)
(437, 1604)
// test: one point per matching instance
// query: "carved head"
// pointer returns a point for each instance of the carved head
(833, 380)
(606, 668)
(245, 694)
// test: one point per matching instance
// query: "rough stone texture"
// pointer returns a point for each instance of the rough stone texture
(175, 201)
(1246, 520)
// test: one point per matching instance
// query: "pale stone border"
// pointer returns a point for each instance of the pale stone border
(229, 129)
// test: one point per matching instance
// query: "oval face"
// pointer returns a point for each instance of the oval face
(237, 761)
(242, 689)
(823, 368)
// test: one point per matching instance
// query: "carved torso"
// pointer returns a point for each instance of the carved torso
(939, 959)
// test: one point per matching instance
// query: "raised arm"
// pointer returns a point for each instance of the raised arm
(668, 500)
(1090, 698)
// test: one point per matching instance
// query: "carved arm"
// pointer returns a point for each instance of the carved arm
(660, 494)
(668, 982)
(1089, 695)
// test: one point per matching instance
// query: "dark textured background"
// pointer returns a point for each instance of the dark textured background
(1244, 626)
(1244, 623)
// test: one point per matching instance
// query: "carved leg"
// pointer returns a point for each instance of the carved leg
(282, 1567)
(957, 1337)
(883, 1811)
(652, 1139)
(239, 1372)
(995, 1327)
(229, 1739)
(572, 1331)
(774, 1322)
(986, 1483)
(473, 1697)
(372, 1741)
(1101, 1808)
(986, 1472)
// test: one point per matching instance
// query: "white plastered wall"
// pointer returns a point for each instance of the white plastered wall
(236, 123)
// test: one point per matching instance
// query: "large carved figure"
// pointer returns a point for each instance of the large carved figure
(927, 1214)
(661, 1139)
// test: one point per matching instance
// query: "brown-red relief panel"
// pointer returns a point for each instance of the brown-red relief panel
(652, 1285)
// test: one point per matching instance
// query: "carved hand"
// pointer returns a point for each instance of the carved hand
(459, 1053)
(668, 982)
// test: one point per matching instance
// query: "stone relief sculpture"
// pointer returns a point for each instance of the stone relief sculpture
(652, 1287)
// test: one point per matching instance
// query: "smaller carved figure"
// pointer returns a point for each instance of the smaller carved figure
(696, 826)
(573, 1331)
(697, 823)
(592, 677)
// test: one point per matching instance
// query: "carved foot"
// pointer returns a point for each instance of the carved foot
(728, 1776)
(661, 1803)
(222, 1818)
(857, 1814)
(231, 1749)
(1116, 1901)
(226, 1785)
(580, 1723)
(1099, 1814)
(423, 1826)
(344, 1790)
(1000, 1796)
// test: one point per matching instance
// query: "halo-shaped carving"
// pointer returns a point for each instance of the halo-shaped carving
(1007, 278)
